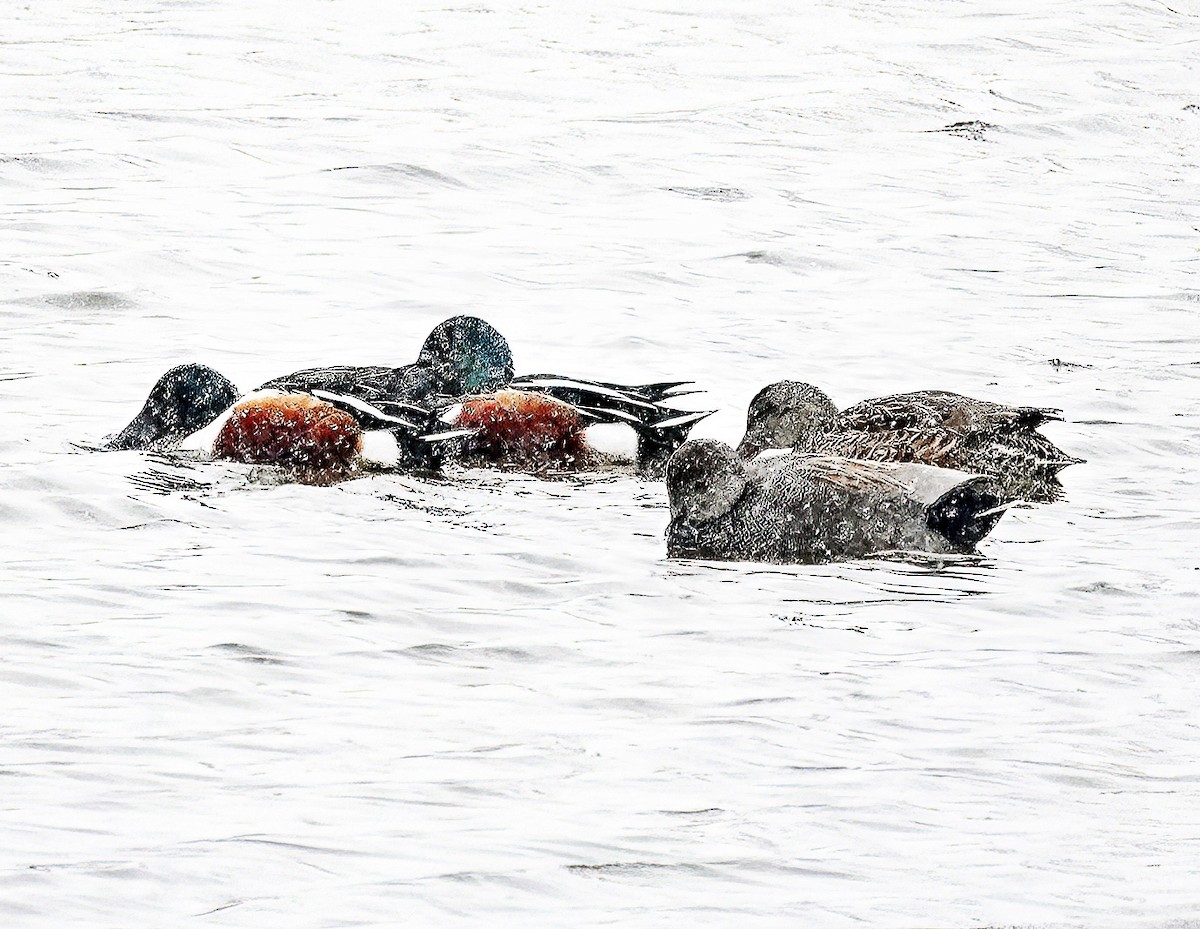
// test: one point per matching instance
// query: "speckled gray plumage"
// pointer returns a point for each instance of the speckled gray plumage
(798, 508)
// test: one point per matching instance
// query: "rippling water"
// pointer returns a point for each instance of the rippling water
(230, 702)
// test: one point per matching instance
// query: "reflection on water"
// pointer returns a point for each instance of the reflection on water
(244, 702)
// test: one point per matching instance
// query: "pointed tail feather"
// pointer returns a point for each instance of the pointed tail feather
(967, 512)
(681, 419)
(583, 393)
(1057, 464)
(643, 394)
(656, 393)
(658, 441)
(1034, 416)
(1023, 417)
(671, 395)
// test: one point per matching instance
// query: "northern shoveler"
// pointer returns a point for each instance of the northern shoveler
(933, 427)
(799, 508)
(465, 361)
(195, 408)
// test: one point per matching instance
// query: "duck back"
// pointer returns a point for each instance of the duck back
(949, 430)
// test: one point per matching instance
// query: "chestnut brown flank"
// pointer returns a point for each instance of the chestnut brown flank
(294, 431)
(525, 429)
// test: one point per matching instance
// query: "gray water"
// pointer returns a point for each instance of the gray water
(492, 700)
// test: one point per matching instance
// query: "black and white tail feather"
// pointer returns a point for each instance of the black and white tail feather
(584, 393)
(660, 429)
(422, 439)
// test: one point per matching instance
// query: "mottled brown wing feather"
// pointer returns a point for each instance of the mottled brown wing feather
(935, 447)
(890, 414)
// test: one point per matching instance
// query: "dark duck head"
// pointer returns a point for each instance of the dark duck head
(183, 400)
(466, 355)
(705, 478)
(787, 414)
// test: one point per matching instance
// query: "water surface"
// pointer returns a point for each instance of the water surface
(229, 702)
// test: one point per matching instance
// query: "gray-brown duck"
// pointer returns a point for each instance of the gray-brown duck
(799, 508)
(933, 427)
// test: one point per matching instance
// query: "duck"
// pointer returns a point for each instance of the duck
(933, 427)
(465, 372)
(317, 436)
(815, 508)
